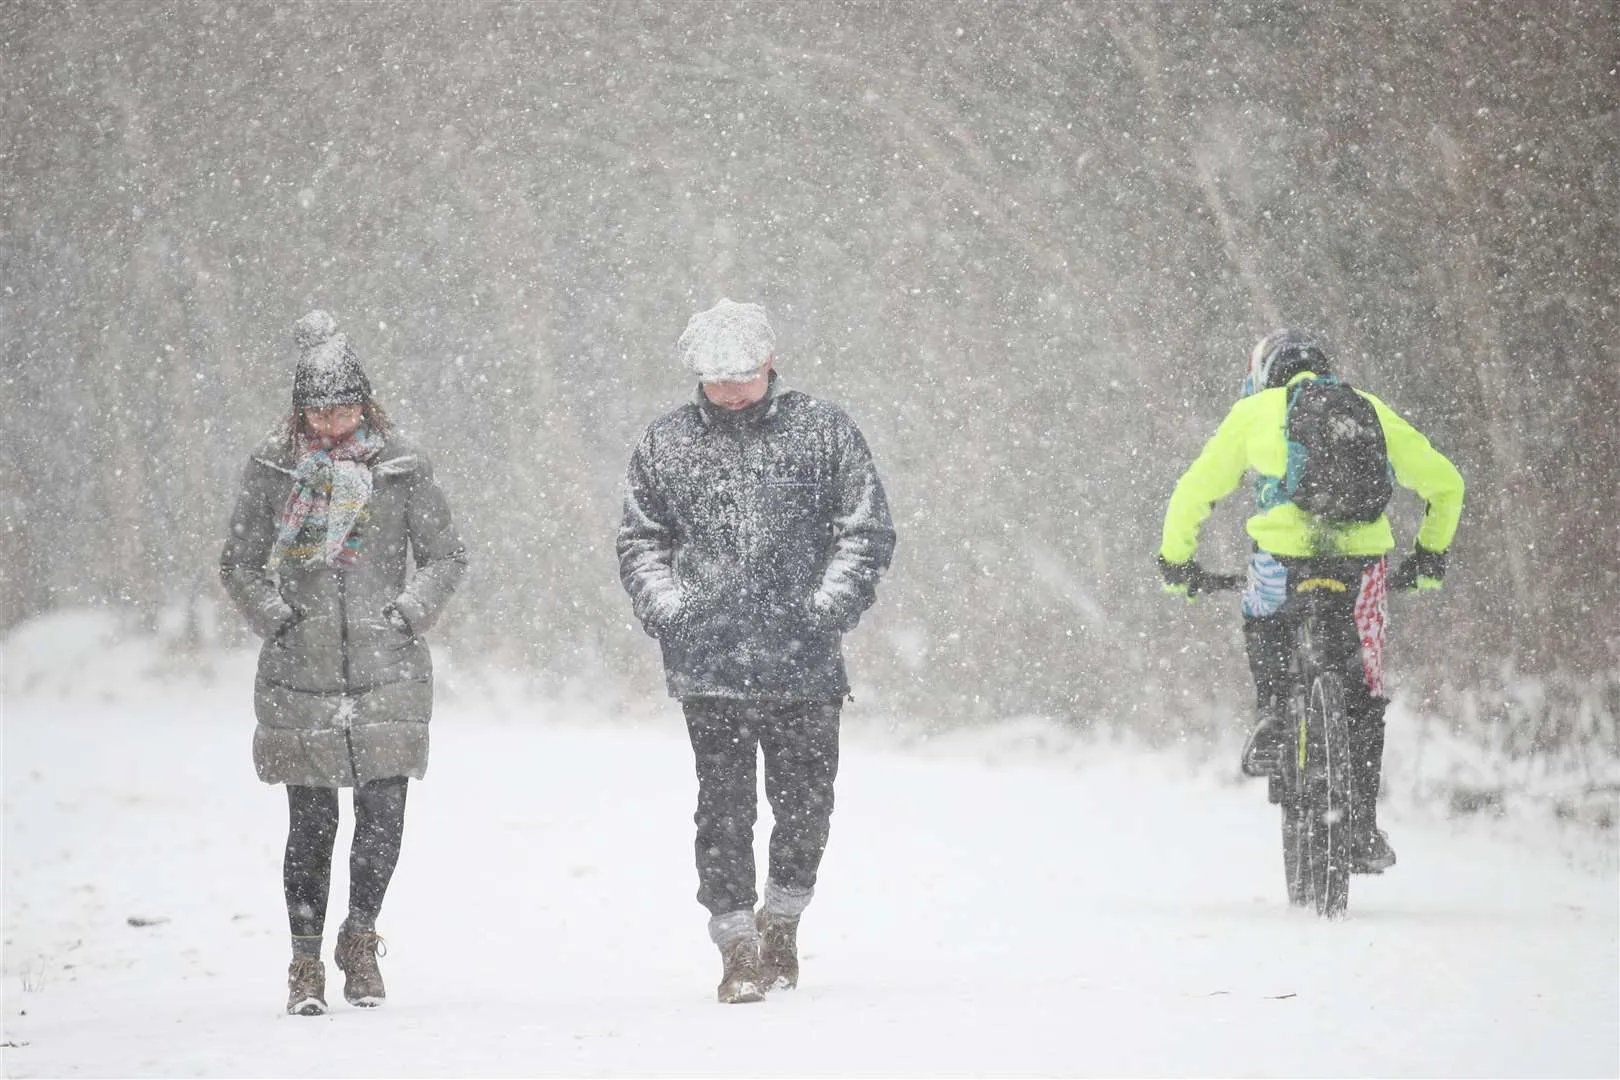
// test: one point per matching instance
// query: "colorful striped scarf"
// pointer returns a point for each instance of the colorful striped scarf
(320, 525)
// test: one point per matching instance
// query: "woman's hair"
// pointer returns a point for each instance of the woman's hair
(372, 413)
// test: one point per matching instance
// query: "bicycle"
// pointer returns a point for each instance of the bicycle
(1310, 775)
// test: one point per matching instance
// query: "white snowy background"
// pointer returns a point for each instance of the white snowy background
(1007, 902)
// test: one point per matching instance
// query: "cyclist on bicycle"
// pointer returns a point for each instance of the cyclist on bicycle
(1285, 538)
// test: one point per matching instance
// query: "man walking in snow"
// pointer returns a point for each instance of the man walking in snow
(755, 531)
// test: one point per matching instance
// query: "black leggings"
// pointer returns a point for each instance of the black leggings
(306, 872)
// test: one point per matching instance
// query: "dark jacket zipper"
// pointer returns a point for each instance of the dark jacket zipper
(345, 704)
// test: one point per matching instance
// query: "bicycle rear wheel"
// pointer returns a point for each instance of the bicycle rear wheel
(1316, 810)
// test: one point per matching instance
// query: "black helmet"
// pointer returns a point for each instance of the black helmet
(1281, 355)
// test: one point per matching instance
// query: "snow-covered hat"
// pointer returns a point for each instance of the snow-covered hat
(727, 343)
(328, 371)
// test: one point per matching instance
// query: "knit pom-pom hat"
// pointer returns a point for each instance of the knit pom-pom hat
(328, 371)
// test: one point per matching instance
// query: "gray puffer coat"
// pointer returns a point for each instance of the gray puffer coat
(343, 697)
(751, 542)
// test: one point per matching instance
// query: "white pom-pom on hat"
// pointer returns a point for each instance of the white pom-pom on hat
(314, 328)
(729, 342)
(328, 371)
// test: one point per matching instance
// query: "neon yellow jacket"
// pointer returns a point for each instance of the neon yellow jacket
(1252, 437)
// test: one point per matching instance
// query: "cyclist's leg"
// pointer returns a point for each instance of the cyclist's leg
(1266, 640)
(1265, 637)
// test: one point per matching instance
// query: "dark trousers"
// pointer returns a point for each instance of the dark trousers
(306, 870)
(800, 744)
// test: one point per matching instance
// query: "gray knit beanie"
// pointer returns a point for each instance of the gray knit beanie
(328, 371)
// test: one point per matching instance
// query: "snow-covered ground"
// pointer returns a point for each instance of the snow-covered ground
(1002, 903)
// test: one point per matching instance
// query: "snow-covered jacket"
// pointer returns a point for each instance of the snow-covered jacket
(342, 696)
(751, 542)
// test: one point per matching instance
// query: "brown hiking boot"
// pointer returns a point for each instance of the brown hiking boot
(778, 951)
(306, 986)
(356, 956)
(739, 979)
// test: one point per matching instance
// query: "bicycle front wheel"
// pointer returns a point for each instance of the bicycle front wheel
(1316, 816)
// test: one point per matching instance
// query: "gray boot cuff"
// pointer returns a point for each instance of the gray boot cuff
(780, 900)
(725, 930)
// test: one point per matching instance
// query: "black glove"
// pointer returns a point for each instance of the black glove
(1423, 569)
(1187, 578)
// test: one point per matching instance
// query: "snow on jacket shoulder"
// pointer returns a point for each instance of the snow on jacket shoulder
(751, 541)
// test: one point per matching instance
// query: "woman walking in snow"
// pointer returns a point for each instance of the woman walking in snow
(341, 555)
